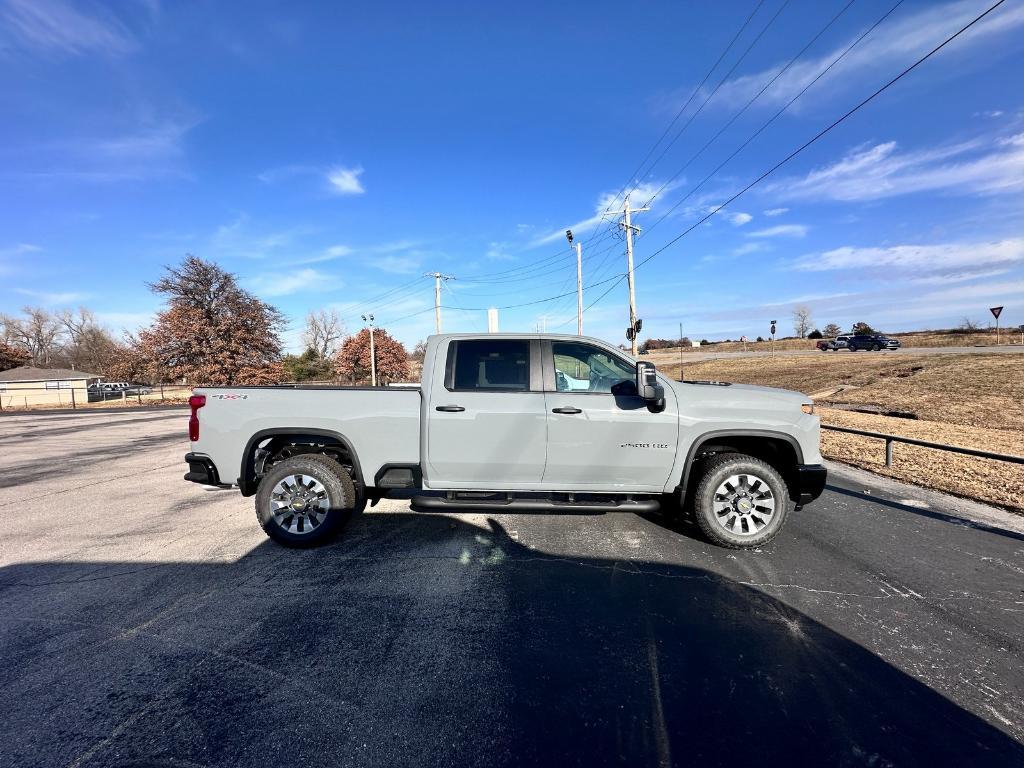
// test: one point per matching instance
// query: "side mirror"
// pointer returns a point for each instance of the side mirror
(647, 385)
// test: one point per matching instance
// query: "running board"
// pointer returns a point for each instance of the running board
(513, 503)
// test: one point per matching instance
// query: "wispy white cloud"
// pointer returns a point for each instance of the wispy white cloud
(498, 252)
(150, 148)
(747, 248)
(739, 218)
(52, 298)
(271, 284)
(771, 212)
(345, 181)
(400, 265)
(55, 26)
(19, 249)
(332, 253)
(897, 42)
(237, 239)
(611, 201)
(977, 167)
(781, 230)
(929, 258)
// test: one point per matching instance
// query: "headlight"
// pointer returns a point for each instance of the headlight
(807, 407)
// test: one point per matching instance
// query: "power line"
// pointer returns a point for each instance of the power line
(774, 117)
(860, 105)
(711, 95)
(828, 128)
(817, 136)
(755, 97)
(682, 109)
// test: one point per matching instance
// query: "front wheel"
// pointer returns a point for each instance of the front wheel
(741, 502)
(303, 500)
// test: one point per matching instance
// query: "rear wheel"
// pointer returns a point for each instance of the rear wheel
(741, 502)
(303, 500)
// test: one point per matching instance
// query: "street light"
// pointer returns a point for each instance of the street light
(368, 319)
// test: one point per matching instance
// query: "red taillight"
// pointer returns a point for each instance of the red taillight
(195, 403)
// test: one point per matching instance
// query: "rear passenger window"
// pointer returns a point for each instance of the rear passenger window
(490, 365)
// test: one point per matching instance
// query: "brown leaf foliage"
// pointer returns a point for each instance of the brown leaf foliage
(12, 357)
(352, 362)
(212, 332)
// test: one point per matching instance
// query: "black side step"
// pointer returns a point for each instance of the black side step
(513, 503)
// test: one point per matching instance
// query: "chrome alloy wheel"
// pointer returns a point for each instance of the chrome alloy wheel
(744, 504)
(299, 503)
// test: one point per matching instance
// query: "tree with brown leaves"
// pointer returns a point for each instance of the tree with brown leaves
(12, 356)
(353, 360)
(211, 332)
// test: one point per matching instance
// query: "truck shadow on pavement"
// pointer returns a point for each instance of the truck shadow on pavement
(426, 640)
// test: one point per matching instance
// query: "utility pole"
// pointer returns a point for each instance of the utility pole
(438, 277)
(579, 282)
(368, 319)
(630, 230)
(680, 351)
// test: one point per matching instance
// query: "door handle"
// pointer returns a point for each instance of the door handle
(450, 408)
(566, 409)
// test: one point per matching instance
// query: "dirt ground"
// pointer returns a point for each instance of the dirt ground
(974, 401)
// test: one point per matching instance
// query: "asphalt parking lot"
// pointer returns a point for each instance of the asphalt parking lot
(147, 621)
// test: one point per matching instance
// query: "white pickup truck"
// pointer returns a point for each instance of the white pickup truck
(514, 422)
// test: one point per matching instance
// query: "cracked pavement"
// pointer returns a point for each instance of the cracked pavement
(147, 621)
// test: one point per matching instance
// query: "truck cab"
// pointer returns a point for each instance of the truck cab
(516, 421)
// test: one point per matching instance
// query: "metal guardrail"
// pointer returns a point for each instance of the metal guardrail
(890, 439)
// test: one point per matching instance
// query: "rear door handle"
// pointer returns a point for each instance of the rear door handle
(566, 409)
(450, 408)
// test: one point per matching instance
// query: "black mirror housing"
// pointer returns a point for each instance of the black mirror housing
(647, 385)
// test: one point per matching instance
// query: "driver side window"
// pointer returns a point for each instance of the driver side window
(584, 368)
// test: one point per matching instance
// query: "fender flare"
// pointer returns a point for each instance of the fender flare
(247, 474)
(712, 436)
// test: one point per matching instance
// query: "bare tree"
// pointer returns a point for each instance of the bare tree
(37, 332)
(419, 352)
(324, 333)
(89, 346)
(971, 326)
(802, 322)
(831, 330)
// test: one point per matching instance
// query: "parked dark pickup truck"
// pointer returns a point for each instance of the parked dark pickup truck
(874, 342)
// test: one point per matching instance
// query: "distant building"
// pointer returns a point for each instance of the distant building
(25, 386)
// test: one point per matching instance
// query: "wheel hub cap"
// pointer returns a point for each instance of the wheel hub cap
(744, 504)
(299, 503)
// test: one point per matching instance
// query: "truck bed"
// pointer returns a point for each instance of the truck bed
(384, 422)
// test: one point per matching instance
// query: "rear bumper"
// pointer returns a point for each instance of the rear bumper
(810, 482)
(201, 470)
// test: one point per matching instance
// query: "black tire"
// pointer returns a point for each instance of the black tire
(755, 527)
(301, 530)
(876, 348)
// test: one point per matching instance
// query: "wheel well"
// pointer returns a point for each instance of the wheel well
(778, 452)
(266, 449)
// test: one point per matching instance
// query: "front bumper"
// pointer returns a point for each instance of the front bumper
(201, 470)
(810, 482)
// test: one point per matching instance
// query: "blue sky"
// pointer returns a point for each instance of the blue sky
(330, 154)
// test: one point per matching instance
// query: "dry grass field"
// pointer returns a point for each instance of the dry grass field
(975, 401)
